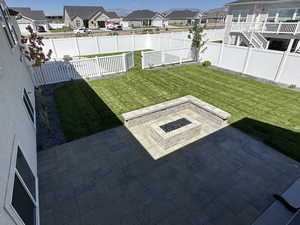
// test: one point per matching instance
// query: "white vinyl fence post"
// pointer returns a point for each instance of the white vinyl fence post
(54, 48)
(132, 42)
(97, 44)
(221, 54)
(117, 43)
(143, 60)
(245, 67)
(77, 46)
(124, 62)
(281, 66)
(99, 66)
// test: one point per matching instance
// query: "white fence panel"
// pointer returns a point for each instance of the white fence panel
(107, 44)
(142, 42)
(211, 53)
(60, 71)
(125, 43)
(87, 46)
(233, 58)
(65, 47)
(290, 73)
(165, 57)
(263, 63)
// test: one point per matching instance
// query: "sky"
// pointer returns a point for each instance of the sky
(55, 7)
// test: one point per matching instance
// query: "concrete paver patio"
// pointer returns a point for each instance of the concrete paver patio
(108, 178)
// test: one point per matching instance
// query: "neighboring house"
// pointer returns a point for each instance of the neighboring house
(215, 18)
(183, 17)
(264, 24)
(34, 18)
(92, 17)
(141, 18)
(55, 22)
(19, 197)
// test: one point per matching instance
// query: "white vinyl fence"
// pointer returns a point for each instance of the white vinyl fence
(165, 57)
(60, 71)
(109, 44)
(277, 66)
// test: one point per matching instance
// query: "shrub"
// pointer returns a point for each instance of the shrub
(206, 63)
(292, 86)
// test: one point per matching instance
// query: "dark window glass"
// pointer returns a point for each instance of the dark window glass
(8, 37)
(25, 172)
(22, 203)
(7, 27)
(28, 105)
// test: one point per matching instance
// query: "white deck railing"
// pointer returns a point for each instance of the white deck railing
(266, 27)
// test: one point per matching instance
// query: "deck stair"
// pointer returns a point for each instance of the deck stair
(255, 39)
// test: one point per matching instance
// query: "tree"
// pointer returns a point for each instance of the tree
(32, 48)
(197, 36)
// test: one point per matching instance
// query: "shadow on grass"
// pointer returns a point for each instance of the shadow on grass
(284, 140)
(82, 112)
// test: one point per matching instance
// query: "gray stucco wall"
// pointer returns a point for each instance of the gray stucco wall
(16, 128)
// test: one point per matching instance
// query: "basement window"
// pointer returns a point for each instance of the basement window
(23, 199)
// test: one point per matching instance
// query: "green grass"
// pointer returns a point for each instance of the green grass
(267, 112)
(64, 29)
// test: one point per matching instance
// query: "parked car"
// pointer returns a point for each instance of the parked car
(40, 29)
(82, 31)
(114, 26)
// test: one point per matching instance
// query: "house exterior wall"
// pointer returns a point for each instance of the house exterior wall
(137, 23)
(77, 22)
(15, 124)
(177, 21)
(158, 21)
(93, 23)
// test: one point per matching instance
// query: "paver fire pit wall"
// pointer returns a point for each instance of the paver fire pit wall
(143, 115)
(169, 126)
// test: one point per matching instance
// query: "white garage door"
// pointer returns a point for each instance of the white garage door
(157, 23)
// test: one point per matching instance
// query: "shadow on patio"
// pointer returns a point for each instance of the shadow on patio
(108, 178)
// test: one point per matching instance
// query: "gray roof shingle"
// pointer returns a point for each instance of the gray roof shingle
(112, 14)
(84, 12)
(140, 14)
(31, 14)
(182, 14)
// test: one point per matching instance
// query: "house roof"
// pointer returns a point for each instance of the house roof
(182, 14)
(140, 14)
(259, 1)
(31, 14)
(84, 12)
(215, 13)
(112, 14)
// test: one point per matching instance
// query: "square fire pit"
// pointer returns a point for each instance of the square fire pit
(175, 130)
(169, 126)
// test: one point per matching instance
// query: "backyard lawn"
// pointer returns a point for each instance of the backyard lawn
(269, 113)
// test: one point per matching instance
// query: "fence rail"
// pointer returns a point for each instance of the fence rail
(60, 71)
(166, 57)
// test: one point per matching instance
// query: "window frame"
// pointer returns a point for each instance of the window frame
(7, 26)
(240, 18)
(10, 186)
(276, 18)
(29, 108)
